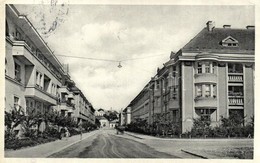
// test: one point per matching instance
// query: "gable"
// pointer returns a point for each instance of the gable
(229, 41)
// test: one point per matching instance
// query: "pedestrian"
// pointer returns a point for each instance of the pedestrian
(62, 132)
(80, 130)
(67, 133)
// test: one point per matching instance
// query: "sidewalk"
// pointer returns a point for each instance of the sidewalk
(200, 148)
(47, 149)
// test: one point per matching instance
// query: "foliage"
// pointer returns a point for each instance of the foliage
(110, 116)
(201, 127)
(233, 126)
(29, 124)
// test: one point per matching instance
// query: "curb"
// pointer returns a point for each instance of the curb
(194, 154)
(64, 147)
(134, 136)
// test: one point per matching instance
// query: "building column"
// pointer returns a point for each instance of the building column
(128, 115)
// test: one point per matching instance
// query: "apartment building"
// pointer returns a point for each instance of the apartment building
(35, 80)
(84, 110)
(212, 76)
(33, 74)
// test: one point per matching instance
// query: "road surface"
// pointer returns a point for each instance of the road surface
(106, 144)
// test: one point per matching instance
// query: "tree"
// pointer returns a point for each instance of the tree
(111, 116)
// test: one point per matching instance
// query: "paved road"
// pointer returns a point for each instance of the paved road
(106, 144)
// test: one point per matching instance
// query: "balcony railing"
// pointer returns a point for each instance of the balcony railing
(236, 101)
(69, 103)
(235, 77)
(235, 93)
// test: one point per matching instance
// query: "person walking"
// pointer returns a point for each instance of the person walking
(80, 129)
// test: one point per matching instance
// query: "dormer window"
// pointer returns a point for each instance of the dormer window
(229, 42)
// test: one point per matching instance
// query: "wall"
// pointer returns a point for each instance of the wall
(222, 89)
(248, 93)
(187, 96)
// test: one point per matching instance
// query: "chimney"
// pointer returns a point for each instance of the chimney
(210, 25)
(226, 26)
(250, 27)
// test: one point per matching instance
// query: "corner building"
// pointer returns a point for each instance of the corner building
(212, 76)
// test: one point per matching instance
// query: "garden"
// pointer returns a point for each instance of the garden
(32, 128)
(231, 127)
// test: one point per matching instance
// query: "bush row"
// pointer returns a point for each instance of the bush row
(229, 127)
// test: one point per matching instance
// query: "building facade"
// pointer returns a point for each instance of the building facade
(212, 76)
(35, 80)
(84, 110)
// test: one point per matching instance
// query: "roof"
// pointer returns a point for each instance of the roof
(211, 40)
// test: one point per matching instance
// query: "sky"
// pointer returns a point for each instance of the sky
(142, 35)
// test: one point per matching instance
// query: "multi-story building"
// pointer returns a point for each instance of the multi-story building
(212, 76)
(33, 74)
(35, 80)
(83, 108)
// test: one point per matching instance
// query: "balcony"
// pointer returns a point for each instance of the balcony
(39, 94)
(235, 77)
(71, 95)
(64, 89)
(206, 77)
(236, 101)
(206, 102)
(21, 52)
(67, 103)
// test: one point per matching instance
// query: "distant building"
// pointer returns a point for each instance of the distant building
(83, 108)
(113, 124)
(211, 76)
(103, 121)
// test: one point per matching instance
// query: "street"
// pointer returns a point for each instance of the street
(106, 144)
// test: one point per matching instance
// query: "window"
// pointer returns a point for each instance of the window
(199, 91)
(17, 72)
(207, 90)
(38, 79)
(174, 96)
(235, 68)
(16, 101)
(53, 89)
(5, 66)
(214, 91)
(205, 114)
(207, 67)
(229, 42)
(214, 67)
(199, 68)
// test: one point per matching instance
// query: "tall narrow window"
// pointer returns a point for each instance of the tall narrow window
(207, 90)
(199, 91)
(214, 67)
(207, 67)
(38, 79)
(16, 101)
(199, 68)
(17, 72)
(214, 91)
(6, 66)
